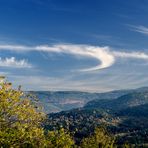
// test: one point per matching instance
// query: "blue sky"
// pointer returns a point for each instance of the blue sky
(86, 45)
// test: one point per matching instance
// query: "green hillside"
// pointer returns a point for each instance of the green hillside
(125, 117)
(66, 100)
(125, 101)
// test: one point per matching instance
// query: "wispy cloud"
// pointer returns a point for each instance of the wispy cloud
(134, 55)
(102, 54)
(140, 29)
(105, 56)
(97, 83)
(13, 63)
(54, 83)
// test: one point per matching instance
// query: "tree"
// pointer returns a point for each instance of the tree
(100, 139)
(20, 121)
(60, 139)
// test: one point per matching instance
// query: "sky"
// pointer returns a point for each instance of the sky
(84, 45)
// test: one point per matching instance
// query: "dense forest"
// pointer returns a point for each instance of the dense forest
(24, 124)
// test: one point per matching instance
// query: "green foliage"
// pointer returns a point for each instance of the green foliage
(20, 122)
(100, 139)
(60, 139)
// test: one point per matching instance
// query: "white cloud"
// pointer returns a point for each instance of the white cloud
(102, 54)
(105, 55)
(140, 29)
(134, 55)
(12, 62)
(14, 47)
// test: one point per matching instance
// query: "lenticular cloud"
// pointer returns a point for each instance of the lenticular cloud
(105, 55)
(102, 54)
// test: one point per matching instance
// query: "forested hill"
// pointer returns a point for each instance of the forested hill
(56, 101)
(125, 101)
(65, 100)
(125, 117)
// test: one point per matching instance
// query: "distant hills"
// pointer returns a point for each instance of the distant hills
(124, 113)
(65, 100)
(123, 102)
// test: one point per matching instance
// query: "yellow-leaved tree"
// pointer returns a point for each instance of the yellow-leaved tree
(21, 122)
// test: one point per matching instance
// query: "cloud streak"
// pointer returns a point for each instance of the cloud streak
(105, 56)
(102, 54)
(140, 29)
(13, 63)
(132, 55)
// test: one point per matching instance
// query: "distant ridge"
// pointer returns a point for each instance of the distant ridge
(56, 101)
(135, 98)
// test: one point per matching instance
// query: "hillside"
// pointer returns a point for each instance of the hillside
(125, 101)
(66, 100)
(136, 111)
(125, 117)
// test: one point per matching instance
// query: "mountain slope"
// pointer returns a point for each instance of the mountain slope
(125, 101)
(66, 100)
(136, 111)
(127, 120)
